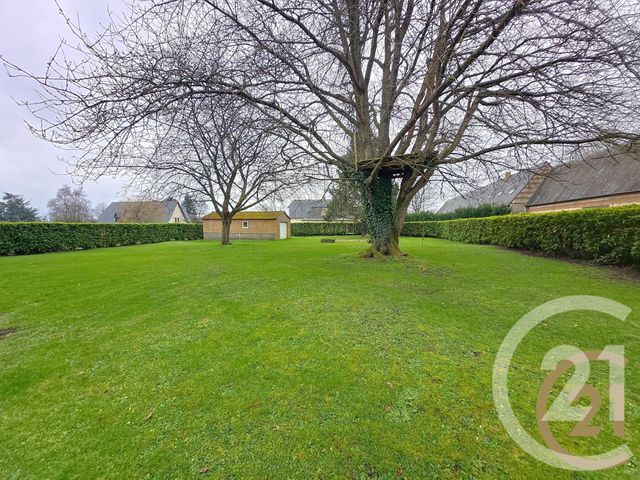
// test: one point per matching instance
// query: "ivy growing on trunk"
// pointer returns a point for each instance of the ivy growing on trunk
(495, 84)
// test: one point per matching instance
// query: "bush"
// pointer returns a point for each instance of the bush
(464, 212)
(307, 229)
(606, 236)
(27, 238)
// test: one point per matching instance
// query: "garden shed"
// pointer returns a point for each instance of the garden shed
(249, 226)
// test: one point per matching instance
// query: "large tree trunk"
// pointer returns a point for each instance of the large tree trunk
(226, 227)
(383, 222)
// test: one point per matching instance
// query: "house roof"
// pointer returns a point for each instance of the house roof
(595, 176)
(249, 215)
(501, 192)
(307, 209)
(157, 211)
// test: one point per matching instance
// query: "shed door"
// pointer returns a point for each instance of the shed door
(283, 231)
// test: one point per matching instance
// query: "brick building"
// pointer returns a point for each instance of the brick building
(594, 182)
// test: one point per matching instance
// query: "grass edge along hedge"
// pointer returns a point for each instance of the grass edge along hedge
(24, 238)
(608, 236)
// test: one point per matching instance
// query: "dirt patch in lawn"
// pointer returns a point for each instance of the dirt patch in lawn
(624, 273)
(7, 331)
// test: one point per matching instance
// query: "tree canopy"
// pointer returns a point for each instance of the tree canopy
(416, 90)
(194, 207)
(14, 208)
(70, 205)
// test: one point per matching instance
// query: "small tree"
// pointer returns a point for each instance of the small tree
(99, 209)
(346, 200)
(219, 148)
(14, 208)
(70, 205)
(421, 201)
(194, 207)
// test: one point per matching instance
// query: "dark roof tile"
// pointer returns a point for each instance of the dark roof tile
(596, 176)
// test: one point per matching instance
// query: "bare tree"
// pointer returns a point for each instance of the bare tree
(421, 201)
(222, 149)
(70, 205)
(413, 89)
(99, 209)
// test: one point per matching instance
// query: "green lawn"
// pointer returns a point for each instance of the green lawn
(290, 359)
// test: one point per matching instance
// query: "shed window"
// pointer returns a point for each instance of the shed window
(245, 224)
(176, 219)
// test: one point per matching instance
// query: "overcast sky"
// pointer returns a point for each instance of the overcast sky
(30, 31)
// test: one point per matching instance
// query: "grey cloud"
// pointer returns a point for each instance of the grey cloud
(30, 31)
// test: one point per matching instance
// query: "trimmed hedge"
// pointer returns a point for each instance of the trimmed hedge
(41, 237)
(462, 212)
(606, 236)
(308, 229)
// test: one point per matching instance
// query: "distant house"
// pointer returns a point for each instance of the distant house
(512, 190)
(597, 181)
(249, 226)
(308, 210)
(593, 183)
(167, 211)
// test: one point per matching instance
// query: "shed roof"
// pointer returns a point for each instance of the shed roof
(596, 176)
(249, 215)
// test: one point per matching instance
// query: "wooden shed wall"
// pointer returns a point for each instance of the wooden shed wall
(258, 229)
